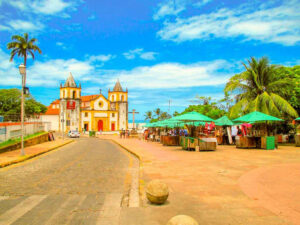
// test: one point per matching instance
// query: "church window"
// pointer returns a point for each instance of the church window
(112, 115)
(122, 98)
(86, 114)
(64, 93)
(74, 94)
(100, 104)
(113, 98)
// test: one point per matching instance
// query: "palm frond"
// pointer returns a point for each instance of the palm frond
(283, 105)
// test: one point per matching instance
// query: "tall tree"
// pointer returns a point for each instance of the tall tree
(148, 115)
(157, 112)
(164, 116)
(259, 89)
(22, 46)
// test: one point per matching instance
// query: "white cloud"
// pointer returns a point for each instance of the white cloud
(173, 75)
(279, 24)
(47, 7)
(22, 25)
(101, 58)
(169, 7)
(43, 74)
(139, 52)
(148, 55)
(202, 3)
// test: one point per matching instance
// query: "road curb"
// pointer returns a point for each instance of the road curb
(141, 180)
(24, 158)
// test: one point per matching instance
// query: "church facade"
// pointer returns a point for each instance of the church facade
(89, 113)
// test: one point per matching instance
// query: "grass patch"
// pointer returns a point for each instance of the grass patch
(17, 140)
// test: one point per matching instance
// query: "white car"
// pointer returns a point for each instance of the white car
(73, 134)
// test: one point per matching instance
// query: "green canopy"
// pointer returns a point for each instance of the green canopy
(256, 117)
(224, 121)
(193, 117)
(298, 118)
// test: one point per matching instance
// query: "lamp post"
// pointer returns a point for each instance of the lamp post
(22, 70)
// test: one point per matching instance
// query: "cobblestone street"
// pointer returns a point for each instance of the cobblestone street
(85, 182)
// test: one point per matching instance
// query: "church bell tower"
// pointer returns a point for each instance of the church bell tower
(69, 115)
(119, 101)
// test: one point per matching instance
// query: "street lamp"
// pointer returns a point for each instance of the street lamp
(22, 70)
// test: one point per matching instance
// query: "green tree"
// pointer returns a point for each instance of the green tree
(148, 115)
(22, 46)
(175, 113)
(157, 112)
(210, 110)
(10, 103)
(259, 89)
(293, 93)
(164, 116)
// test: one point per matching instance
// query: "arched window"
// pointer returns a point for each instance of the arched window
(74, 94)
(112, 98)
(122, 98)
(64, 93)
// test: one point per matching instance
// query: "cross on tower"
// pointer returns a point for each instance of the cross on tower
(133, 112)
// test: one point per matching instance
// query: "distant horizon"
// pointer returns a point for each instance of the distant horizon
(161, 50)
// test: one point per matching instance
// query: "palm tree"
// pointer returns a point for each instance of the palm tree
(148, 115)
(259, 89)
(23, 46)
(157, 112)
(164, 115)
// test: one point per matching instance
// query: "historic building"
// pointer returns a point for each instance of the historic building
(92, 112)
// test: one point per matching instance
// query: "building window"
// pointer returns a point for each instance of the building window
(100, 104)
(74, 94)
(64, 93)
(122, 98)
(112, 98)
(112, 115)
(86, 114)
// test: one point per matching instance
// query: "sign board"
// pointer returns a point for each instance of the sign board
(71, 104)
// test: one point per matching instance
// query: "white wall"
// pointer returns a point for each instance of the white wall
(123, 116)
(53, 120)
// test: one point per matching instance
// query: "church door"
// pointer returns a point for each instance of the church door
(113, 127)
(100, 125)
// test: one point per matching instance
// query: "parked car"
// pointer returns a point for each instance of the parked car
(73, 134)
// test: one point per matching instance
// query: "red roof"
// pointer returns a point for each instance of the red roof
(88, 98)
(51, 111)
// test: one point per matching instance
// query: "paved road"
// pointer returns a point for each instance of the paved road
(85, 182)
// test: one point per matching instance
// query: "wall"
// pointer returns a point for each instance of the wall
(123, 116)
(51, 121)
(13, 130)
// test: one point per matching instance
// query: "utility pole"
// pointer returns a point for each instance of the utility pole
(22, 70)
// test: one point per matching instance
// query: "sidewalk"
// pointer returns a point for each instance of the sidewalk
(12, 157)
(207, 185)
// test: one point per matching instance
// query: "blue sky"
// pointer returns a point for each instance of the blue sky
(161, 50)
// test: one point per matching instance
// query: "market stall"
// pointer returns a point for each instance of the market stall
(297, 135)
(223, 131)
(256, 134)
(195, 138)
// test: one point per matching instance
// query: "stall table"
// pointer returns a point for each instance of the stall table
(297, 140)
(170, 140)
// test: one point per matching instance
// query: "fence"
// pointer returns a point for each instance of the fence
(10, 128)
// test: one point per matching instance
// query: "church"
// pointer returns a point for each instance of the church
(87, 113)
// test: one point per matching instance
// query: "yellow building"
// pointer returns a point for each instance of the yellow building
(93, 112)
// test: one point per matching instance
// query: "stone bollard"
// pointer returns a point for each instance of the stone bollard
(182, 220)
(157, 192)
